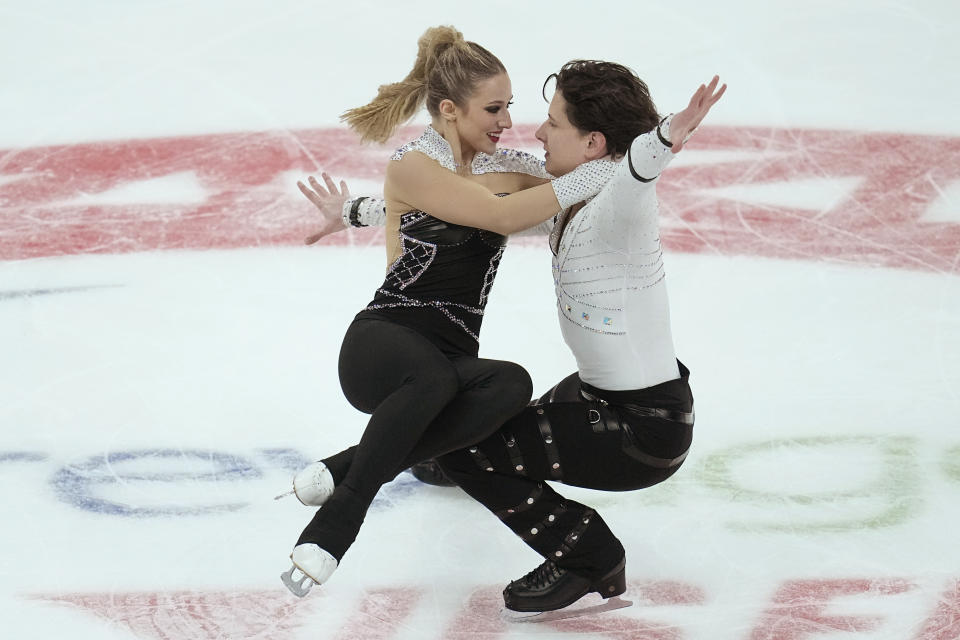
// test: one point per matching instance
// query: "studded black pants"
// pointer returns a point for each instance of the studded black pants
(566, 438)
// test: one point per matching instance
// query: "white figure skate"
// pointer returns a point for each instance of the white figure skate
(312, 486)
(316, 565)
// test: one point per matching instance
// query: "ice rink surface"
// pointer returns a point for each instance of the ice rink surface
(168, 346)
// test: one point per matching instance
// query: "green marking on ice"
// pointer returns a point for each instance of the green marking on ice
(888, 499)
(951, 463)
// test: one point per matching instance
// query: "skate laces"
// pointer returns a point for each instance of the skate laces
(543, 576)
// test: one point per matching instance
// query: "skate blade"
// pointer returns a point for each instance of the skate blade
(297, 586)
(573, 611)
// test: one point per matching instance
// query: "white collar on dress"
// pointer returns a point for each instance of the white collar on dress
(434, 145)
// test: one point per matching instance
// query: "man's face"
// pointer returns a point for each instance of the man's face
(566, 146)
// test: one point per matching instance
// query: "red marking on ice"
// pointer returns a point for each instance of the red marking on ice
(479, 617)
(380, 614)
(665, 593)
(879, 223)
(944, 622)
(246, 207)
(610, 625)
(799, 608)
(625, 626)
(253, 203)
(175, 615)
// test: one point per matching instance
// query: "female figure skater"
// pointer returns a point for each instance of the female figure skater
(410, 357)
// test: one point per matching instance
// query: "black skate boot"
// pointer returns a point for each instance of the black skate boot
(550, 587)
(429, 472)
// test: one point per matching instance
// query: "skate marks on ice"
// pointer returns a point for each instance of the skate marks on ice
(371, 614)
(483, 615)
(374, 614)
(840, 196)
(199, 615)
(664, 610)
(34, 293)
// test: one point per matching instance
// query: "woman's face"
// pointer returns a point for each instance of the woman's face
(487, 113)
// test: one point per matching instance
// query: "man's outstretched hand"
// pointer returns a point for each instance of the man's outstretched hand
(686, 121)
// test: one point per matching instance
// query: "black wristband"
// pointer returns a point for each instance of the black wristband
(355, 212)
(633, 171)
(665, 142)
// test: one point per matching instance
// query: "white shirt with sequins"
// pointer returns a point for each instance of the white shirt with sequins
(609, 278)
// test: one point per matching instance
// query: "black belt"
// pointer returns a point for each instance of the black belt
(682, 417)
(607, 418)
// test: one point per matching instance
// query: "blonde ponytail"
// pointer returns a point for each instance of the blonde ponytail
(447, 67)
(398, 102)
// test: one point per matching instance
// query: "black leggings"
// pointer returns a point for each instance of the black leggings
(565, 438)
(423, 403)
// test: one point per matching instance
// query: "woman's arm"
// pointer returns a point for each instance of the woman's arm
(369, 211)
(338, 211)
(416, 181)
(545, 228)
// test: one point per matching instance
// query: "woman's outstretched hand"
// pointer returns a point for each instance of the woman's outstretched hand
(329, 202)
(686, 121)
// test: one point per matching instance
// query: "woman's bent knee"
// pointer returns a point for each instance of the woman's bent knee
(516, 384)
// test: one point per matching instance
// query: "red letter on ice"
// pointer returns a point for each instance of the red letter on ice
(944, 623)
(799, 608)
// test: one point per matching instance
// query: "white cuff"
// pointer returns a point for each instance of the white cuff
(364, 212)
(663, 131)
(584, 182)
